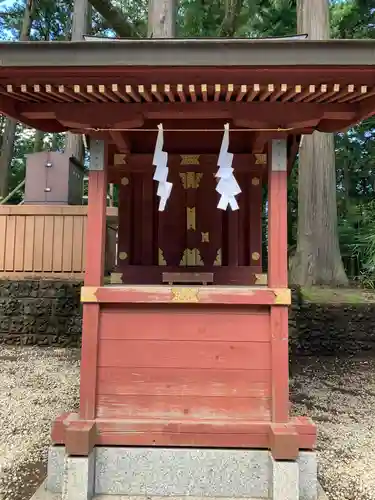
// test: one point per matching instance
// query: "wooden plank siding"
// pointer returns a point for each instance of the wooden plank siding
(43, 240)
(183, 363)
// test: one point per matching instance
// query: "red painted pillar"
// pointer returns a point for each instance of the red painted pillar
(278, 276)
(94, 276)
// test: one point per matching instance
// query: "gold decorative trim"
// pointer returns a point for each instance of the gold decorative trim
(119, 159)
(255, 181)
(122, 255)
(124, 181)
(261, 279)
(198, 258)
(191, 180)
(218, 258)
(190, 219)
(205, 238)
(191, 257)
(190, 159)
(260, 159)
(88, 294)
(255, 256)
(283, 296)
(161, 259)
(185, 295)
(116, 278)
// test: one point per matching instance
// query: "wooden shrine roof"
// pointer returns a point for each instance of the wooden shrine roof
(184, 52)
(111, 88)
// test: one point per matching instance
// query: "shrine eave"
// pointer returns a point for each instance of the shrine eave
(189, 52)
(108, 89)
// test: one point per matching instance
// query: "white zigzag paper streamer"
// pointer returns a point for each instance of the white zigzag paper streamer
(227, 186)
(160, 161)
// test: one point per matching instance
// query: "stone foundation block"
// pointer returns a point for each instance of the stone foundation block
(55, 469)
(181, 472)
(79, 478)
(284, 480)
(308, 475)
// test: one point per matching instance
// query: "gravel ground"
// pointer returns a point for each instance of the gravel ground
(38, 384)
(339, 394)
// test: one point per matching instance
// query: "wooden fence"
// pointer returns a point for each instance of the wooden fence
(48, 241)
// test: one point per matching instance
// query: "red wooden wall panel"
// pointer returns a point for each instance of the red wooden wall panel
(186, 323)
(181, 354)
(184, 381)
(184, 363)
(182, 407)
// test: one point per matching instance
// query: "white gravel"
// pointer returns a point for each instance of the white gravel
(339, 394)
(38, 384)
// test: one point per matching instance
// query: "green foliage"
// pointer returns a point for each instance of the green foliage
(352, 19)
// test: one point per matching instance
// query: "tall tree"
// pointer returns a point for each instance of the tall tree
(229, 26)
(119, 22)
(80, 27)
(7, 146)
(317, 259)
(162, 18)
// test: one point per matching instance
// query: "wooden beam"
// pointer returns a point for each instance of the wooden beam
(191, 295)
(8, 108)
(366, 108)
(121, 140)
(143, 161)
(245, 114)
(258, 142)
(331, 126)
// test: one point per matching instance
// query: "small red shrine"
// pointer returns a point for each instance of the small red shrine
(184, 374)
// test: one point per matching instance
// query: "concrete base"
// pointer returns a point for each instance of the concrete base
(284, 483)
(78, 480)
(180, 472)
(44, 494)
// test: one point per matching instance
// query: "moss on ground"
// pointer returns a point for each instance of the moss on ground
(324, 295)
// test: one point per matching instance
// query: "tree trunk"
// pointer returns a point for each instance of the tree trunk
(80, 27)
(162, 18)
(7, 146)
(317, 260)
(115, 18)
(232, 11)
(38, 141)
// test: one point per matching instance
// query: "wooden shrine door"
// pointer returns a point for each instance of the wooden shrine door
(192, 234)
(190, 229)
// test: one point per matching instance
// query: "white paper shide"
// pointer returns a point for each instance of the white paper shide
(227, 186)
(160, 161)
